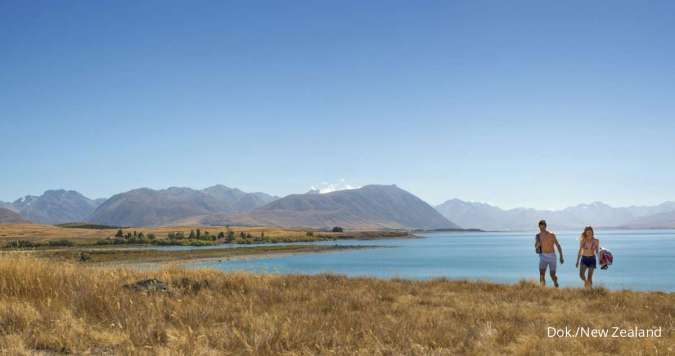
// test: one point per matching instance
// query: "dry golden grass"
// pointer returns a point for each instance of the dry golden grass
(66, 308)
(37, 232)
(42, 233)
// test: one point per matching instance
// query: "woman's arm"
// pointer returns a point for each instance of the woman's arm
(597, 248)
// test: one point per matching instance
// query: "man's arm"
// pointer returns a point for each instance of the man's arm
(557, 244)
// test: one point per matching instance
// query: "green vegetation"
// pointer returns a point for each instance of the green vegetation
(153, 241)
(21, 244)
(62, 242)
(26, 244)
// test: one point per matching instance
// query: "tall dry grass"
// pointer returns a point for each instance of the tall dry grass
(67, 308)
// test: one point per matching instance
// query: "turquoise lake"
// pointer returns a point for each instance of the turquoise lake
(643, 260)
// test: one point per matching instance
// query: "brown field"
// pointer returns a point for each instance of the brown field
(55, 307)
(42, 233)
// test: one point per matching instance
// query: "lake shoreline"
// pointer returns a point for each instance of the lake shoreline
(196, 262)
(156, 258)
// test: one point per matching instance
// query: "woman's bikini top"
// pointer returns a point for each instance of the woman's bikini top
(589, 245)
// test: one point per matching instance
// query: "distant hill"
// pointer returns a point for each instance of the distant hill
(473, 215)
(148, 207)
(372, 206)
(488, 217)
(55, 207)
(657, 221)
(6, 205)
(237, 200)
(11, 217)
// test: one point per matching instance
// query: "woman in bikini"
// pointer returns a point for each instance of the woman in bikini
(588, 248)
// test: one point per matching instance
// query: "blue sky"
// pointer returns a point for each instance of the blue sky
(518, 103)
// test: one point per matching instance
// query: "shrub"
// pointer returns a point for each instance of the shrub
(111, 242)
(62, 242)
(186, 242)
(119, 233)
(21, 244)
(166, 242)
(151, 236)
(338, 229)
(310, 233)
(176, 235)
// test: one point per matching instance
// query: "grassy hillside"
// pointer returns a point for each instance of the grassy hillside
(91, 234)
(49, 307)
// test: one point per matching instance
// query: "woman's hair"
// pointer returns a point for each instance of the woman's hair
(586, 229)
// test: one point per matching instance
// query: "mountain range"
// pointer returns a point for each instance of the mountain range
(488, 217)
(664, 220)
(148, 207)
(372, 206)
(54, 207)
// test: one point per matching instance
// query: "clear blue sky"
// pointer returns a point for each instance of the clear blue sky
(518, 103)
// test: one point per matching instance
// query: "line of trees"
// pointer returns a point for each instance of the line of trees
(134, 235)
(194, 234)
(198, 234)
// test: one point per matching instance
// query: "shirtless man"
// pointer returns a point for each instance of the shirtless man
(544, 244)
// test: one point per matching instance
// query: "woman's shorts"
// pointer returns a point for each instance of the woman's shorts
(589, 261)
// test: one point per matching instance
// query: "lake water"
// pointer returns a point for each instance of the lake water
(643, 260)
